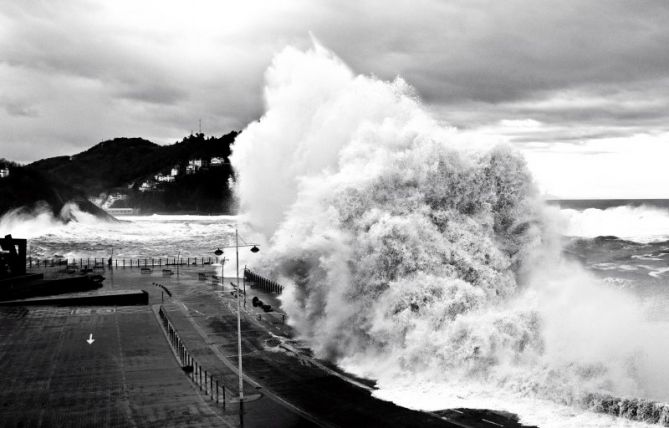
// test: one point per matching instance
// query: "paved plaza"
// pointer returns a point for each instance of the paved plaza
(127, 377)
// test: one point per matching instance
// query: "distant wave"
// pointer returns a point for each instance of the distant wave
(22, 223)
(639, 224)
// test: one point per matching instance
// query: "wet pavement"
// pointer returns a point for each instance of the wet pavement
(130, 377)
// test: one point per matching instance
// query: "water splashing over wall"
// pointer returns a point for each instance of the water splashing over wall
(413, 253)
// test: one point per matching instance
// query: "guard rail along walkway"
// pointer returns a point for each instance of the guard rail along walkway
(203, 379)
(260, 281)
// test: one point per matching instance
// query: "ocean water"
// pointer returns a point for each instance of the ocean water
(624, 242)
(636, 265)
(129, 237)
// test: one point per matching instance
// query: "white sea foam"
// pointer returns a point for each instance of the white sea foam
(160, 236)
(410, 253)
(40, 221)
(640, 224)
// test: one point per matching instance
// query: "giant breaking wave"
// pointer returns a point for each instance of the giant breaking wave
(413, 253)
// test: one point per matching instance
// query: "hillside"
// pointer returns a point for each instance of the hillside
(143, 174)
(28, 188)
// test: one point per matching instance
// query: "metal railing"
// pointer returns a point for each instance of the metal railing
(207, 383)
(134, 262)
(261, 282)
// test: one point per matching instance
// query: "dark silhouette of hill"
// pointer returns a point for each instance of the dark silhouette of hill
(107, 164)
(123, 164)
(28, 189)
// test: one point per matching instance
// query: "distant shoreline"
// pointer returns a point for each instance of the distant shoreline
(602, 204)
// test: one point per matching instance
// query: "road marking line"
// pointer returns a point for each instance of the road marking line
(491, 422)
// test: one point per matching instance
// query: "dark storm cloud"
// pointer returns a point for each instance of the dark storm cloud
(89, 70)
(152, 93)
(20, 110)
(505, 51)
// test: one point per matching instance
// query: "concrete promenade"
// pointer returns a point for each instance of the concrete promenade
(51, 377)
(130, 375)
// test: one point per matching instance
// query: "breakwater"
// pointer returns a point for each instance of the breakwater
(636, 409)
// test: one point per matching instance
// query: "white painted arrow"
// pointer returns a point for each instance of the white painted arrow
(90, 339)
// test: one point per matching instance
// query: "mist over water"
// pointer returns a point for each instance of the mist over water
(84, 235)
(39, 221)
(639, 224)
(426, 261)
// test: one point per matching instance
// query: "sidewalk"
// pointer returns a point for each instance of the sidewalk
(259, 410)
(276, 364)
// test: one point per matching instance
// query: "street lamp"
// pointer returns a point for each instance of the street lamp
(218, 252)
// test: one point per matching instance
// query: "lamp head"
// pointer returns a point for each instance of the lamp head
(255, 249)
(218, 252)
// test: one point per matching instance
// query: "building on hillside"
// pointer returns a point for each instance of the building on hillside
(216, 161)
(122, 211)
(112, 198)
(4, 172)
(147, 186)
(193, 166)
(163, 178)
(175, 171)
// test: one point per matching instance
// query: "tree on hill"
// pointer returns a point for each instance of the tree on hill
(108, 164)
(123, 164)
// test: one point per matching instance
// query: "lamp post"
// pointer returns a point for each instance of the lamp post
(218, 252)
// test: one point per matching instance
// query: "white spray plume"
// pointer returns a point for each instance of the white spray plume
(410, 251)
(22, 223)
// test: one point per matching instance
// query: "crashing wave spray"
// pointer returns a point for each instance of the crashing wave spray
(40, 220)
(415, 253)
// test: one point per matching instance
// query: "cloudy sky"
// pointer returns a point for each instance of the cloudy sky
(581, 87)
